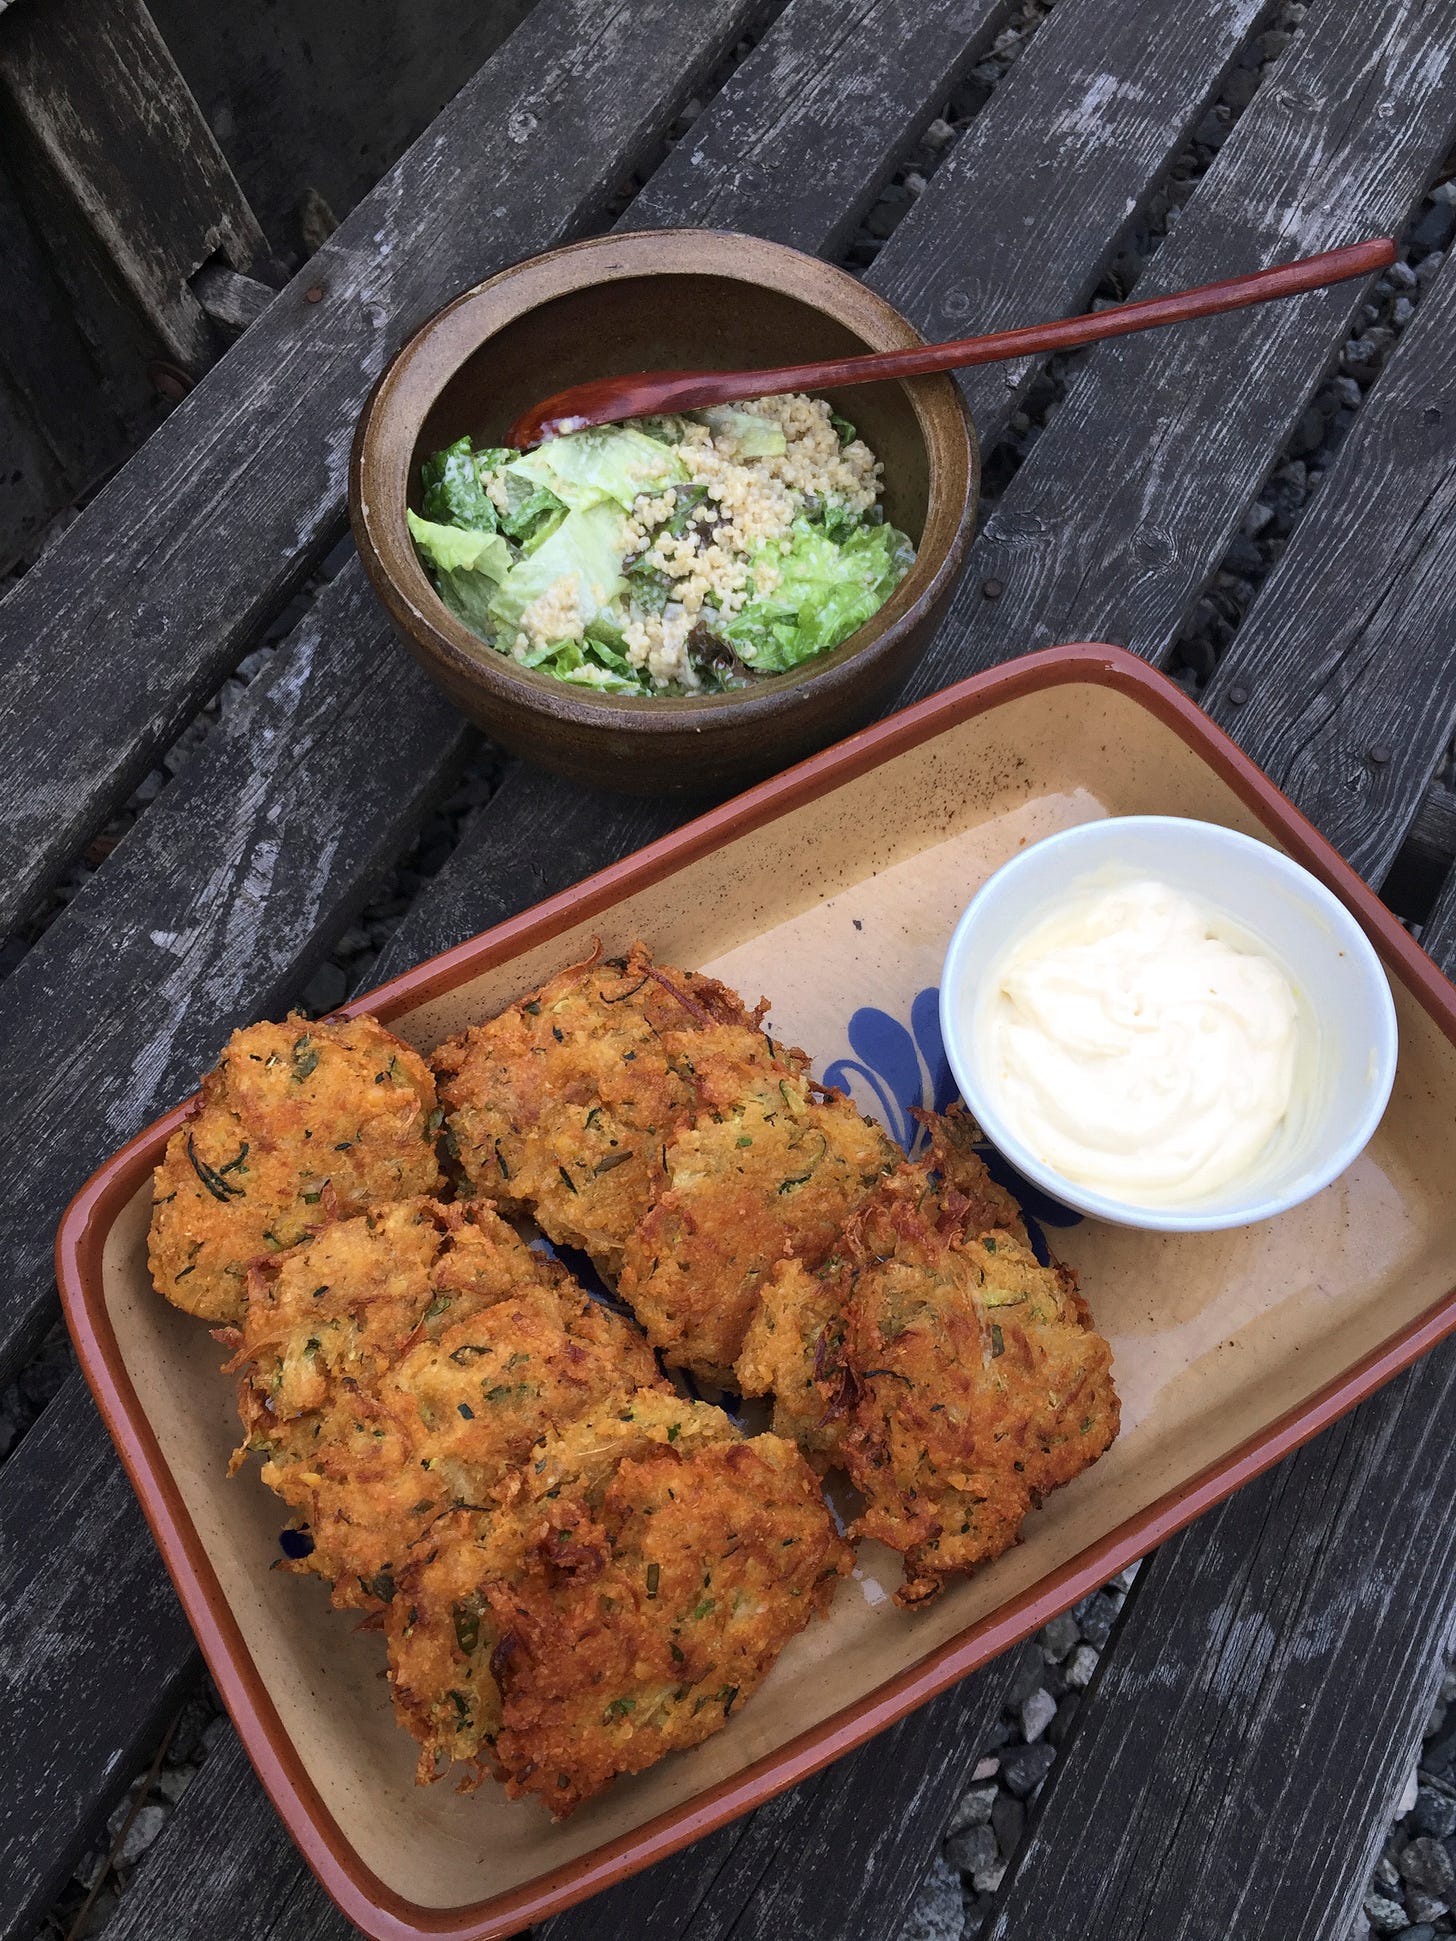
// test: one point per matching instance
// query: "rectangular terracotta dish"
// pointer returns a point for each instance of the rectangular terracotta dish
(833, 888)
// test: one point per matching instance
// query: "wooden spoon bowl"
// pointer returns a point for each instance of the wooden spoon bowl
(621, 303)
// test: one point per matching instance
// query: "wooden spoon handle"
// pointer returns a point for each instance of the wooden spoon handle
(606, 399)
(1237, 292)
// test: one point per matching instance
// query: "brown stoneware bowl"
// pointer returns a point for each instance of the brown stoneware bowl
(680, 299)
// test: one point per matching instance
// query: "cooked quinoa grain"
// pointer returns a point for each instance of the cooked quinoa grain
(669, 555)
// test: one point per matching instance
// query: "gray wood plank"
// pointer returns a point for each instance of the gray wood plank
(1125, 506)
(1023, 216)
(804, 135)
(1438, 937)
(1235, 1764)
(1341, 681)
(210, 913)
(93, 1651)
(313, 96)
(252, 1885)
(100, 95)
(119, 633)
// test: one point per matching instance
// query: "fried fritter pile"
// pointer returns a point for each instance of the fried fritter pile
(933, 1358)
(633, 1584)
(397, 1363)
(299, 1123)
(641, 1114)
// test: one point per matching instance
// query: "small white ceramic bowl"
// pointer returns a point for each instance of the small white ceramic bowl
(1344, 998)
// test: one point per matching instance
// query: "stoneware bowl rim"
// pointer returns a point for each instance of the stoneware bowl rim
(389, 426)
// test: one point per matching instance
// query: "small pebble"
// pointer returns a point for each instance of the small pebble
(938, 1913)
(1060, 1636)
(174, 1781)
(972, 1850)
(1429, 266)
(1427, 1865)
(1258, 516)
(1385, 1916)
(1401, 276)
(986, 1880)
(1037, 1714)
(1434, 1812)
(1025, 1767)
(939, 133)
(915, 182)
(974, 1809)
(1422, 1932)
(143, 1830)
(1097, 1614)
(1401, 312)
(1424, 1907)
(985, 1769)
(1080, 1667)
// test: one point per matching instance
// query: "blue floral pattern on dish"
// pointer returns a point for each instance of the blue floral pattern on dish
(904, 1069)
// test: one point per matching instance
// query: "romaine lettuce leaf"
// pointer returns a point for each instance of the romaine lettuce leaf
(586, 663)
(825, 591)
(453, 549)
(453, 495)
(587, 543)
(531, 509)
(606, 462)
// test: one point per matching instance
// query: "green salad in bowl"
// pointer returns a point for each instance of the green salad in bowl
(667, 555)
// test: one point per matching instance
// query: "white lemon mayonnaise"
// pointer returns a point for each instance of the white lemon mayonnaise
(1141, 1044)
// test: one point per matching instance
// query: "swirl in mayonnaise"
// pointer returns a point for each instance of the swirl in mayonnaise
(1140, 1044)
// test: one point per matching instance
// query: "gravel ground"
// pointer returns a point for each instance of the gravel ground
(1415, 1881)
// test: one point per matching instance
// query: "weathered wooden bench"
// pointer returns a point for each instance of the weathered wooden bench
(1235, 1763)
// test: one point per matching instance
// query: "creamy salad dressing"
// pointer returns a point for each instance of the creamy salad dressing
(1141, 1044)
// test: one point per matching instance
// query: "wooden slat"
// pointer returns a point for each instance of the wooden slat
(1439, 935)
(93, 1651)
(313, 96)
(120, 632)
(1151, 68)
(225, 1870)
(209, 914)
(101, 97)
(1236, 1764)
(1025, 213)
(803, 136)
(1341, 681)
(1125, 506)
(71, 431)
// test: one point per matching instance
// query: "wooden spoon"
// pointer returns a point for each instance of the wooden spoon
(606, 400)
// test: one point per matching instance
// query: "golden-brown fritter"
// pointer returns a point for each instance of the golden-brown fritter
(640, 1113)
(955, 1379)
(793, 1347)
(634, 1589)
(298, 1124)
(398, 1362)
(561, 1107)
(771, 1172)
